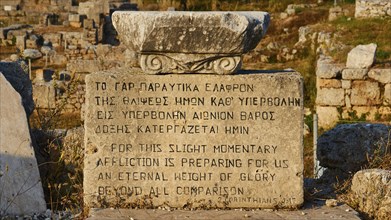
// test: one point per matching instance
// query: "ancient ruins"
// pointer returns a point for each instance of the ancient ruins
(199, 141)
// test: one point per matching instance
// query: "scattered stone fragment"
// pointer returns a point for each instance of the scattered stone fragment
(32, 54)
(361, 56)
(331, 202)
(372, 191)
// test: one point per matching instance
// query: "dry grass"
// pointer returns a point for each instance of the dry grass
(364, 31)
(381, 159)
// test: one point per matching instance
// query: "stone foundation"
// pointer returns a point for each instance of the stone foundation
(372, 8)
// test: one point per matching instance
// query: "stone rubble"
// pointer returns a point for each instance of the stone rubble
(362, 56)
(372, 190)
(372, 8)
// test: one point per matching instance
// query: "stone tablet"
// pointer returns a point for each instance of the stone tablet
(194, 141)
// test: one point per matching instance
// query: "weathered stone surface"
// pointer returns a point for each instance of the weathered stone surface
(347, 146)
(354, 73)
(20, 186)
(369, 112)
(328, 83)
(171, 133)
(361, 56)
(20, 81)
(44, 95)
(372, 8)
(380, 75)
(327, 116)
(32, 54)
(74, 18)
(346, 84)
(372, 190)
(59, 59)
(190, 42)
(348, 103)
(309, 212)
(326, 69)
(330, 96)
(83, 66)
(365, 93)
(387, 94)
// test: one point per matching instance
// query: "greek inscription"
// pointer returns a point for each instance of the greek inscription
(269, 101)
(104, 100)
(165, 87)
(112, 129)
(265, 115)
(124, 86)
(145, 101)
(155, 115)
(104, 115)
(209, 87)
(215, 101)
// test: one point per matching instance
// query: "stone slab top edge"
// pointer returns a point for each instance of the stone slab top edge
(137, 71)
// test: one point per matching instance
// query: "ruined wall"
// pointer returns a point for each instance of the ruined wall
(351, 93)
(68, 96)
(372, 8)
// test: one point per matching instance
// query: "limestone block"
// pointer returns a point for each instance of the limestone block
(365, 93)
(387, 94)
(348, 103)
(328, 83)
(44, 95)
(21, 42)
(76, 24)
(369, 111)
(123, 106)
(348, 146)
(32, 44)
(326, 69)
(361, 56)
(385, 112)
(354, 73)
(327, 116)
(371, 189)
(74, 18)
(58, 59)
(222, 37)
(330, 96)
(283, 15)
(380, 75)
(21, 190)
(88, 23)
(346, 84)
(83, 66)
(290, 11)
